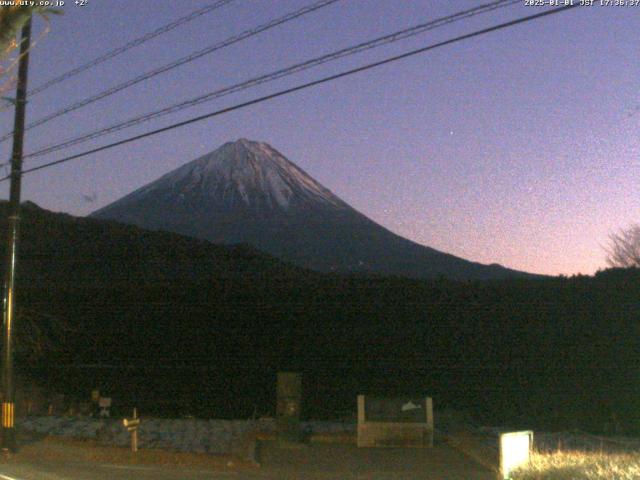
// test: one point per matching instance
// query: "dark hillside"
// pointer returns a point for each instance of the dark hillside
(60, 248)
(175, 326)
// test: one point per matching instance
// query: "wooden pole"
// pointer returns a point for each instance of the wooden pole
(134, 433)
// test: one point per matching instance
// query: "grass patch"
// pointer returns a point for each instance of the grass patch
(574, 465)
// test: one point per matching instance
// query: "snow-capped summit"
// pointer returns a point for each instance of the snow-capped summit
(248, 192)
(243, 174)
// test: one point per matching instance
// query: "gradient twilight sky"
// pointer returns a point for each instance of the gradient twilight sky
(519, 147)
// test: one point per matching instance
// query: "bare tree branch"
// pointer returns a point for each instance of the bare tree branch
(12, 19)
(624, 248)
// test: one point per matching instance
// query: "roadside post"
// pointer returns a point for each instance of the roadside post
(95, 399)
(289, 396)
(132, 425)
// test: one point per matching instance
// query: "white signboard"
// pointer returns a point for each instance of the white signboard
(515, 449)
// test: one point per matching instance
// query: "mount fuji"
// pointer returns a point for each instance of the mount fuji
(248, 192)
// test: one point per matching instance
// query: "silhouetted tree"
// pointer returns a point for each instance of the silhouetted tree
(39, 334)
(12, 19)
(624, 248)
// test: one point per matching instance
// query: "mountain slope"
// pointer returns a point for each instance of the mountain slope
(247, 192)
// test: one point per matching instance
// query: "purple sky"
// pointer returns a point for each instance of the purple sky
(519, 147)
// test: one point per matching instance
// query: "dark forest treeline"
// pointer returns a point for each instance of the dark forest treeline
(202, 329)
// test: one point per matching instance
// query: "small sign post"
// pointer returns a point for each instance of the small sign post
(289, 396)
(132, 426)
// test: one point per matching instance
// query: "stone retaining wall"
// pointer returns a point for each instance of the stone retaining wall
(183, 435)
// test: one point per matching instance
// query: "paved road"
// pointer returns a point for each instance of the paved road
(317, 462)
(349, 462)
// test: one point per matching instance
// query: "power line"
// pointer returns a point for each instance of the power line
(284, 72)
(177, 63)
(301, 87)
(134, 43)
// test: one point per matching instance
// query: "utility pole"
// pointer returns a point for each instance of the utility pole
(13, 229)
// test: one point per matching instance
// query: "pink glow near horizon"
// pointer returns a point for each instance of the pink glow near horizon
(520, 147)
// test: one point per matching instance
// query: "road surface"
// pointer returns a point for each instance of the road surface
(51, 461)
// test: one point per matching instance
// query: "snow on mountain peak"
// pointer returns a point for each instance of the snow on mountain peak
(247, 192)
(243, 172)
